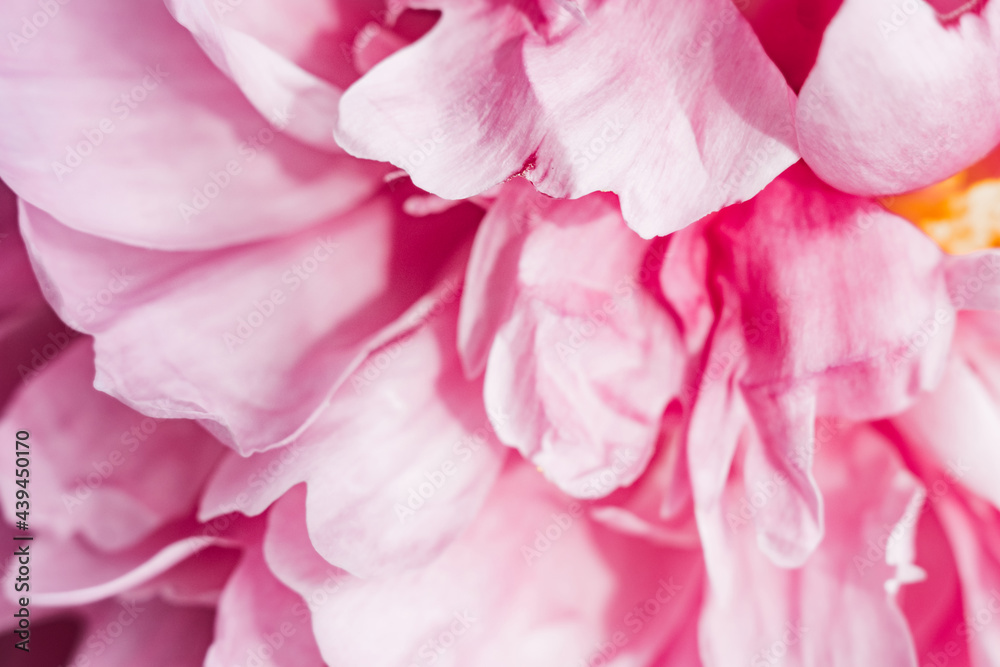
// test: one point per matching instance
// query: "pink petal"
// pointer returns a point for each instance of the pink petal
(974, 280)
(953, 451)
(489, 600)
(704, 96)
(100, 469)
(959, 426)
(30, 333)
(933, 607)
(255, 357)
(160, 149)
(830, 306)
(72, 572)
(978, 338)
(659, 505)
(837, 294)
(413, 443)
(264, 49)
(790, 32)
(899, 100)
(260, 621)
(800, 617)
(126, 633)
(974, 534)
(790, 526)
(581, 354)
(684, 282)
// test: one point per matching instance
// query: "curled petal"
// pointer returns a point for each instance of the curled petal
(702, 92)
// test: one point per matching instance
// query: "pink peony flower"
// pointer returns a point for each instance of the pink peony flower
(547, 332)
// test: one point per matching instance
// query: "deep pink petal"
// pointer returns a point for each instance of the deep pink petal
(30, 333)
(128, 632)
(830, 306)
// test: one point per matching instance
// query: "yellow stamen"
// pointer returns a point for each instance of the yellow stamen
(961, 214)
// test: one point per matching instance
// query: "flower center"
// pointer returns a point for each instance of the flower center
(961, 214)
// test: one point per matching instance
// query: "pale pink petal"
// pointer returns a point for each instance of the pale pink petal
(659, 505)
(410, 440)
(974, 280)
(716, 418)
(581, 353)
(503, 593)
(298, 101)
(98, 468)
(837, 608)
(294, 59)
(959, 426)
(978, 338)
(790, 526)
(684, 284)
(260, 621)
(683, 115)
(949, 437)
(898, 99)
(253, 340)
(160, 148)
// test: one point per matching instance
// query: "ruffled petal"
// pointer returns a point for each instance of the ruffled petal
(580, 353)
(828, 306)
(701, 120)
(838, 608)
(412, 443)
(301, 103)
(255, 357)
(532, 582)
(836, 294)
